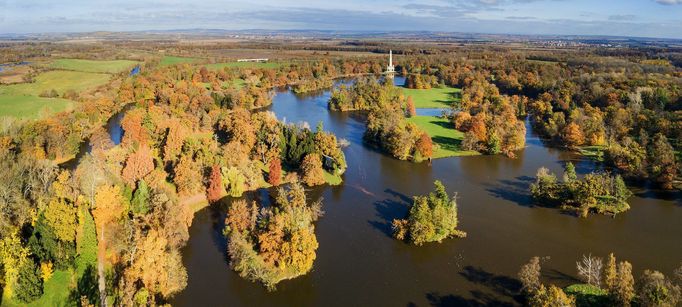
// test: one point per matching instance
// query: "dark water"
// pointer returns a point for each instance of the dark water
(359, 264)
(114, 130)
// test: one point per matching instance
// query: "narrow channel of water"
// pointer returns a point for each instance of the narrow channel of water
(358, 263)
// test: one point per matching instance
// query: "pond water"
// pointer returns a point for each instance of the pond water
(358, 263)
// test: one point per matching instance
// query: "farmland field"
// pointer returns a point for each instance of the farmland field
(30, 106)
(246, 65)
(59, 80)
(114, 66)
(172, 60)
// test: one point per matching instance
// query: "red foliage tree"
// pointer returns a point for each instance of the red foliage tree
(215, 185)
(275, 172)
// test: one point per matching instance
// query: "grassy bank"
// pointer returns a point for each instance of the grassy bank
(443, 134)
(434, 98)
(111, 67)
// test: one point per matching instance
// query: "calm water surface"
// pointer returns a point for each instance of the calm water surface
(359, 264)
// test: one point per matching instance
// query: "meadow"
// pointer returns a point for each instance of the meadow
(172, 60)
(110, 67)
(443, 97)
(32, 107)
(59, 80)
(246, 65)
(444, 135)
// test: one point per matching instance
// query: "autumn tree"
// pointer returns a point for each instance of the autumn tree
(573, 135)
(139, 164)
(654, 289)
(529, 275)
(313, 174)
(275, 172)
(109, 208)
(411, 111)
(215, 188)
(624, 288)
(424, 146)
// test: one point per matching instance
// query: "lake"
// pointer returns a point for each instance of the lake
(358, 263)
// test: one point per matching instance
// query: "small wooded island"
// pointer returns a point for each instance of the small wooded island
(271, 244)
(432, 218)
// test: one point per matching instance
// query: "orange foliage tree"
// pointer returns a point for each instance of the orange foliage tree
(424, 146)
(313, 174)
(139, 164)
(573, 135)
(275, 172)
(215, 185)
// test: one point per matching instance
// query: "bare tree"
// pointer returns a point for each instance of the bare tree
(589, 269)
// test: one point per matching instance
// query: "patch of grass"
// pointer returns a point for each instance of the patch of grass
(32, 107)
(217, 66)
(111, 67)
(444, 135)
(172, 60)
(59, 80)
(588, 295)
(434, 98)
(332, 179)
(55, 292)
(595, 152)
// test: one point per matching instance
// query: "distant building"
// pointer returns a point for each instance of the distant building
(252, 60)
(390, 69)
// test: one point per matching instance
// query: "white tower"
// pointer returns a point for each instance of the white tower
(390, 69)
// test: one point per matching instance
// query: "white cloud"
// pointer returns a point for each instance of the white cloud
(669, 2)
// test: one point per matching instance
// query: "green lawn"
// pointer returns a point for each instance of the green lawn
(59, 80)
(32, 107)
(588, 295)
(172, 60)
(433, 98)
(444, 135)
(115, 66)
(55, 292)
(245, 65)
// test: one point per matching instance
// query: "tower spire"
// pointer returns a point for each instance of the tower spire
(390, 69)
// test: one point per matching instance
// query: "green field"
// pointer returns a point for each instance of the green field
(172, 60)
(22, 101)
(433, 98)
(115, 66)
(444, 135)
(59, 80)
(32, 107)
(245, 65)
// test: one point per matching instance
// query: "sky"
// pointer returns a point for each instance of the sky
(643, 18)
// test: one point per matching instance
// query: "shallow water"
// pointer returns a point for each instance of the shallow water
(358, 263)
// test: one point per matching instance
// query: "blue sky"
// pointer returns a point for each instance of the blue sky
(652, 18)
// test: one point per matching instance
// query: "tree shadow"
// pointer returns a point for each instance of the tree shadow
(517, 190)
(448, 143)
(560, 277)
(500, 284)
(389, 209)
(480, 299)
(446, 124)
(87, 286)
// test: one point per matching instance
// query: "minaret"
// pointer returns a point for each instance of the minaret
(390, 69)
